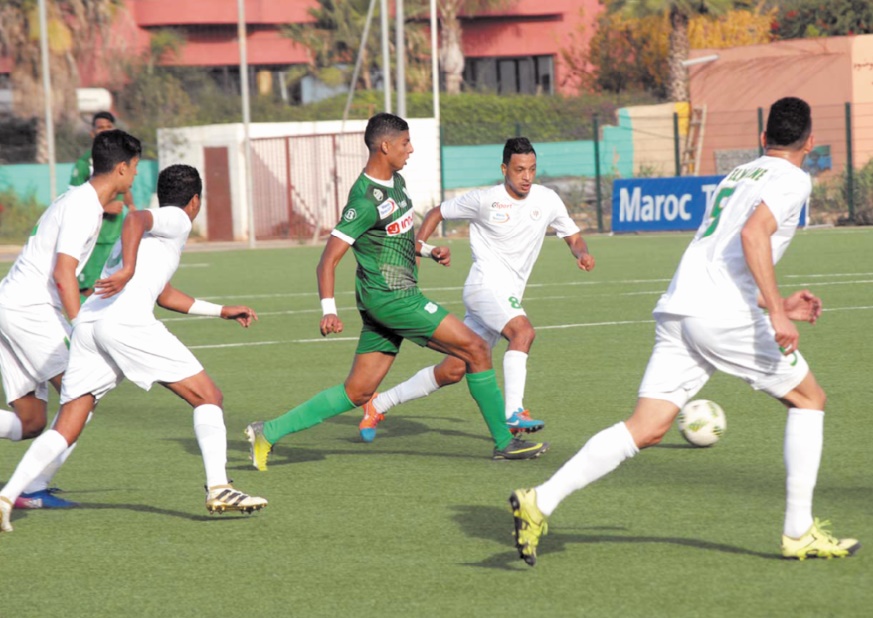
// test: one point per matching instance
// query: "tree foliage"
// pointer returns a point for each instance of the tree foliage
(632, 53)
(815, 18)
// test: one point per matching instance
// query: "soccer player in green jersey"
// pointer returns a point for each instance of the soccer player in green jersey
(113, 218)
(377, 223)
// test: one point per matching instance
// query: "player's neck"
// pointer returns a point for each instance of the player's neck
(794, 157)
(379, 169)
(107, 191)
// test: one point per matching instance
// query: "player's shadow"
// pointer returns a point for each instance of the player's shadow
(396, 426)
(495, 524)
(19, 514)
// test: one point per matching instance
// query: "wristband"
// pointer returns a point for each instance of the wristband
(204, 307)
(426, 250)
(328, 306)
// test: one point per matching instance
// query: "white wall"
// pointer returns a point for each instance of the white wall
(185, 145)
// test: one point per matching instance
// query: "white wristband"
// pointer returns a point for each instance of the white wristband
(204, 307)
(328, 306)
(426, 250)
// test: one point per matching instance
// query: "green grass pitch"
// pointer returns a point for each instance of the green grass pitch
(416, 524)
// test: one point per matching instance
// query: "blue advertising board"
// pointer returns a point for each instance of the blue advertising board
(664, 204)
(661, 204)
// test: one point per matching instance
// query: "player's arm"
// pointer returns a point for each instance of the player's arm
(579, 249)
(132, 231)
(333, 253)
(128, 200)
(439, 254)
(176, 300)
(68, 286)
(758, 251)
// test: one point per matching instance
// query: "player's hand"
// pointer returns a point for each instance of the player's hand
(441, 255)
(803, 306)
(242, 314)
(114, 283)
(115, 208)
(330, 324)
(585, 262)
(787, 336)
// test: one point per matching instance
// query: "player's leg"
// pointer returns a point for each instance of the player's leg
(450, 371)
(453, 337)
(520, 334)
(804, 536)
(202, 394)
(674, 374)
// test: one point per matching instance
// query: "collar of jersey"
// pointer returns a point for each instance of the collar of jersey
(388, 184)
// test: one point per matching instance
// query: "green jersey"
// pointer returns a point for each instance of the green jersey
(378, 223)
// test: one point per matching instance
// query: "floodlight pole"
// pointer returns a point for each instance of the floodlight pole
(246, 111)
(386, 54)
(47, 92)
(400, 52)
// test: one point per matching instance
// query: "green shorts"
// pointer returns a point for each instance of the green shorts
(385, 327)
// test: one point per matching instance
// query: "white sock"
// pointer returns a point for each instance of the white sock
(601, 455)
(804, 436)
(45, 477)
(212, 438)
(40, 454)
(514, 378)
(10, 426)
(420, 385)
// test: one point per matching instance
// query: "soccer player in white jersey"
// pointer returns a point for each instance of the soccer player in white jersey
(41, 287)
(712, 317)
(507, 225)
(116, 335)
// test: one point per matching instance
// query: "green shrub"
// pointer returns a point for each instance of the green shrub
(17, 216)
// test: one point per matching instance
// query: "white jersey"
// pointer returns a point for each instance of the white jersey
(506, 234)
(70, 225)
(156, 262)
(713, 279)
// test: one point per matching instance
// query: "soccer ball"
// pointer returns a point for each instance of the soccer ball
(702, 422)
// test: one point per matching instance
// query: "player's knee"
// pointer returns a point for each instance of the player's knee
(523, 339)
(479, 350)
(451, 375)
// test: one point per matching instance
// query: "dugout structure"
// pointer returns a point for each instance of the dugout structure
(301, 173)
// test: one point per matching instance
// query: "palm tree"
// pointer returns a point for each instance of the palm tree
(451, 32)
(74, 28)
(680, 12)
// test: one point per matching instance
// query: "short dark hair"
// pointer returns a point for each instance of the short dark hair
(382, 125)
(177, 184)
(517, 145)
(104, 115)
(789, 123)
(113, 147)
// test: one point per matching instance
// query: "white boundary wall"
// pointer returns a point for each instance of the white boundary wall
(185, 145)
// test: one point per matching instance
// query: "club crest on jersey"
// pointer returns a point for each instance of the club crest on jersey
(535, 214)
(350, 215)
(377, 193)
(401, 226)
(386, 207)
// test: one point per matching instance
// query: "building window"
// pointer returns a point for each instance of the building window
(525, 75)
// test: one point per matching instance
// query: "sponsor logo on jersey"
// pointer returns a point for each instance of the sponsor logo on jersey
(535, 214)
(499, 217)
(430, 307)
(350, 215)
(401, 226)
(377, 193)
(499, 206)
(387, 207)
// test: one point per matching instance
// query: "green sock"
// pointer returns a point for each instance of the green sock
(483, 387)
(325, 404)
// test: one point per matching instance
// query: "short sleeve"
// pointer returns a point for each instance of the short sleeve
(358, 217)
(466, 206)
(74, 231)
(562, 223)
(786, 196)
(169, 222)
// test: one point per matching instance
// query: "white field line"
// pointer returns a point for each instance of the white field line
(548, 327)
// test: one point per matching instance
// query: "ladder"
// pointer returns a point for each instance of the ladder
(693, 142)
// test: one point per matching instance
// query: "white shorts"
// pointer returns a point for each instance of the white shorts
(490, 310)
(33, 349)
(688, 350)
(103, 353)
